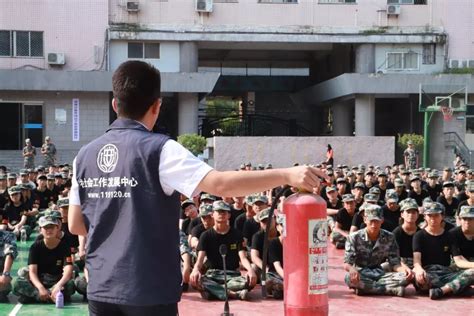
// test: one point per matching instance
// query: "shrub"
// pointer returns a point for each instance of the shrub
(193, 142)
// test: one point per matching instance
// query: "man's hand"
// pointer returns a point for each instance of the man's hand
(54, 291)
(305, 177)
(44, 294)
(252, 277)
(409, 273)
(420, 276)
(4, 281)
(196, 279)
(354, 275)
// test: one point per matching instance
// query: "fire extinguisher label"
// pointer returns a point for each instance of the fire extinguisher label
(318, 256)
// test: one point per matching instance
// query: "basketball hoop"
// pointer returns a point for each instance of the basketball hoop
(447, 112)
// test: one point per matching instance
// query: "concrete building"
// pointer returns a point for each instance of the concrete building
(309, 67)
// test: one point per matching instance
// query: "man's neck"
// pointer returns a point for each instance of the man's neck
(373, 236)
(409, 227)
(434, 230)
(222, 228)
(51, 243)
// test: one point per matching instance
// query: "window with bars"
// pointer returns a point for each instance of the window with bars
(143, 50)
(402, 61)
(429, 54)
(21, 44)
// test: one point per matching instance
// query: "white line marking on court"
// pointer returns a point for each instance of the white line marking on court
(15, 310)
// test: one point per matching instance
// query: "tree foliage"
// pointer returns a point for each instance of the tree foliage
(417, 140)
(193, 142)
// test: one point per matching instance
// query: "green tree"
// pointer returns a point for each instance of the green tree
(193, 142)
(417, 140)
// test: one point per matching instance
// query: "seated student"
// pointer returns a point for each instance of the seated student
(432, 258)
(259, 202)
(376, 192)
(358, 219)
(416, 192)
(207, 222)
(391, 211)
(400, 189)
(366, 251)
(72, 240)
(449, 202)
(14, 214)
(211, 284)
(343, 221)
(42, 194)
(358, 192)
(275, 273)
(237, 208)
(258, 239)
(191, 212)
(49, 267)
(462, 239)
(469, 201)
(240, 220)
(333, 205)
(433, 187)
(405, 232)
(7, 256)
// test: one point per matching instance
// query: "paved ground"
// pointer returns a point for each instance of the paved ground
(342, 301)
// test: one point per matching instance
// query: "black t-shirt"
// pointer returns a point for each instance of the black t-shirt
(358, 220)
(194, 222)
(462, 196)
(239, 222)
(435, 191)
(418, 197)
(250, 228)
(198, 230)
(43, 198)
(404, 241)
(336, 206)
(210, 242)
(402, 196)
(3, 199)
(391, 219)
(450, 209)
(14, 213)
(185, 225)
(460, 245)
(50, 261)
(433, 249)
(257, 241)
(275, 253)
(234, 213)
(344, 218)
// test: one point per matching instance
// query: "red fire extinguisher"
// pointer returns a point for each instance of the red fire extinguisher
(305, 255)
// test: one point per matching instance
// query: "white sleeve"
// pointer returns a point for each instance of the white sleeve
(180, 170)
(74, 198)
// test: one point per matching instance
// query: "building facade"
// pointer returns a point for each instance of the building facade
(307, 67)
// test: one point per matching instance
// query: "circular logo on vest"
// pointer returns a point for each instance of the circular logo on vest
(107, 158)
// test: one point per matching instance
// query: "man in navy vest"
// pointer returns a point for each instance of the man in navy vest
(125, 199)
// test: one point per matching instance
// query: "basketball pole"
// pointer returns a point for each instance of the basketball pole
(426, 138)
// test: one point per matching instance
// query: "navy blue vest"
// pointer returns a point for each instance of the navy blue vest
(133, 239)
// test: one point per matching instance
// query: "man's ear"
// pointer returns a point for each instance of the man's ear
(156, 106)
(115, 105)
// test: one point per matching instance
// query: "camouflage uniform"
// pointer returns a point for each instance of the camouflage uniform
(49, 155)
(23, 286)
(29, 161)
(368, 257)
(456, 279)
(213, 282)
(411, 155)
(8, 244)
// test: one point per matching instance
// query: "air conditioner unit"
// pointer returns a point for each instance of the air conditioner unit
(204, 5)
(56, 59)
(393, 9)
(132, 6)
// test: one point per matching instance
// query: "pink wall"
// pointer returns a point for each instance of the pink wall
(72, 27)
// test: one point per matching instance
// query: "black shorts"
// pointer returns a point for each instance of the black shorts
(108, 309)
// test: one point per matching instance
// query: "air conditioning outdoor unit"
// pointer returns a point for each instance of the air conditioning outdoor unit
(56, 59)
(204, 5)
(393, 9)
(132, 6)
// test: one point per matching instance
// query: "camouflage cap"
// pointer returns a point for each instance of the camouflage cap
(42, 177)
(220, 206)
(26, 186)
(359, 185)
(186, 203)
(374, 190)
(207, 196)
(448, 184)
(470, 186)
(435, 208)
(263, 214)
(50, 176)
(260, 166)
(249, 199)
(382, 174)
(373, 212)
(53, 213)
(14, 189)
(205, 210)
(341, 180)
(48, 220)
(330, 172)
(3, 176)
(405, 172)
(360, 172)
(242, 166)
(348, 198)
(433, 175)
(369, 173)
(350, 174)
(63, 202)
(408, 204)
(409, 142)
(391, 196)
(469, 171)
(399, 183)
(426, 202)
(248, 164)
(269, 166)
(260, 198)
(330, 188)
(23, 172)
(447, 169)
(11, 175)
(414, 178)
(466, 211)
(363, 206)
(369, 197)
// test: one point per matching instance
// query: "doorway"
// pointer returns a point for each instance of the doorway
(18, 122)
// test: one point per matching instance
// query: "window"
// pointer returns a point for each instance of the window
(429, 54)
(336, 1)
(143, 50)
(21, 43)
(402, 61)
(407, 2)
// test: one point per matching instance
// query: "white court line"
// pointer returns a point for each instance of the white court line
(15, 310)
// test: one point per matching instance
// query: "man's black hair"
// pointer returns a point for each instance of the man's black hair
(136, 86)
